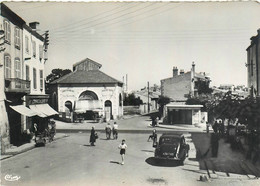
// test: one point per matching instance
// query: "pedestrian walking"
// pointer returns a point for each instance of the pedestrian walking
(214, 143)
(115, 130)
(93, 136)
(153, 136)
(207, 125)
(156, 121)
(108, 130)
(122, 148)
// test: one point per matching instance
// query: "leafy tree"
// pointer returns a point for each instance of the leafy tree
(162, 101)
(56, 74)
(132, 100)
(203, 87)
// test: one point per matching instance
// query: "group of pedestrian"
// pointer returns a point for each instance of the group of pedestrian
(219, 127)
(122, 146)
(110, 129)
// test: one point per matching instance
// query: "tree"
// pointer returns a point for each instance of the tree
(56, 74)
(132, 100)
(203, 87)
(162, 101)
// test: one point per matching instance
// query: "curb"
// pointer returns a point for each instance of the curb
(30, 147)
(142, 131)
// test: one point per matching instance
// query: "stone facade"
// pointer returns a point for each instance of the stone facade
(110, 92)
(178, 87)
(183, 85)
(253, 66)
(105, 92)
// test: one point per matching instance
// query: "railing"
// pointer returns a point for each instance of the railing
(17, 85)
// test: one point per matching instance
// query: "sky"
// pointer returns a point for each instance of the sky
(146, 39)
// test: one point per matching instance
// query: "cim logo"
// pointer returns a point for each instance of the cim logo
(10, 177)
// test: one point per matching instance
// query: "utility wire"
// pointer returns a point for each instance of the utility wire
(77, 22)
(105, 21)
(104, 16)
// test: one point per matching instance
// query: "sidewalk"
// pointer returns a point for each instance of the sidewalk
(144, 126)
(26, 147)
(228, 161)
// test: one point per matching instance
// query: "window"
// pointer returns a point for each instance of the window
(34, 79)
(40, 52)
(252, 68)
(41, 79)
(27, 72)
(17, 68)
(7, 29)
(27, 44)
(7, 66)
(17, 37)
(34, 48)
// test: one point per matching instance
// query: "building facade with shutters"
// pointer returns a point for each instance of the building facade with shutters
(253, 66)
(21, 78)
(14, 86)
(87, 90)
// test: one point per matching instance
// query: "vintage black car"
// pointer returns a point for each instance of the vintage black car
(172, 147)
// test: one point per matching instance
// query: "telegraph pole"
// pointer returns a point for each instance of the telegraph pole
(148, 105)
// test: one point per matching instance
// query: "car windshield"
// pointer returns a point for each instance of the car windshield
(169, 140)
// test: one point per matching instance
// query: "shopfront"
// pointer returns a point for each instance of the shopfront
(183, 114)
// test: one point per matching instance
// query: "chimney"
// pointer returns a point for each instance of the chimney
(174, 71)
(181, 71)
(193, 67)
(34, 25)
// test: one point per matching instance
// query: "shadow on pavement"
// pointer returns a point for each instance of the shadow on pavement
(105, 139)
(39, 145)
(192, 159)
(116, 162)
(227, 160)
(87, 145)
(163, 163)
(196, 171)
(147, 150)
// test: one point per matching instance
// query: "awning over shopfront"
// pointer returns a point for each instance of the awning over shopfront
(43, 110)
(82, 106)
(24, 110)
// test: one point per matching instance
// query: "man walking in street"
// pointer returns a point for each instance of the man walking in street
(108, 130)
(92, 139)
(115, 130)
(122, 148)
(214, 143)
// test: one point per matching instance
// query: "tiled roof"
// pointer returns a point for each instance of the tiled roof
(92, 76)
(87, 60)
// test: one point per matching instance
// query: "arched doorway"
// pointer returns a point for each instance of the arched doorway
(87, 105)
(108, 110)
(68, 106)
(88, 95)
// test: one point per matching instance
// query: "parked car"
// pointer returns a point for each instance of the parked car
(171, 146)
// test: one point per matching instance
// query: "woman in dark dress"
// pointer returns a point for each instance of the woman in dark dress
(92, 139)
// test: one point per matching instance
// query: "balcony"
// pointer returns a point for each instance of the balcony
(17, 85)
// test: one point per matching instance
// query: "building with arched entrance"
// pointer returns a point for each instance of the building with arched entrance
(87, 90)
